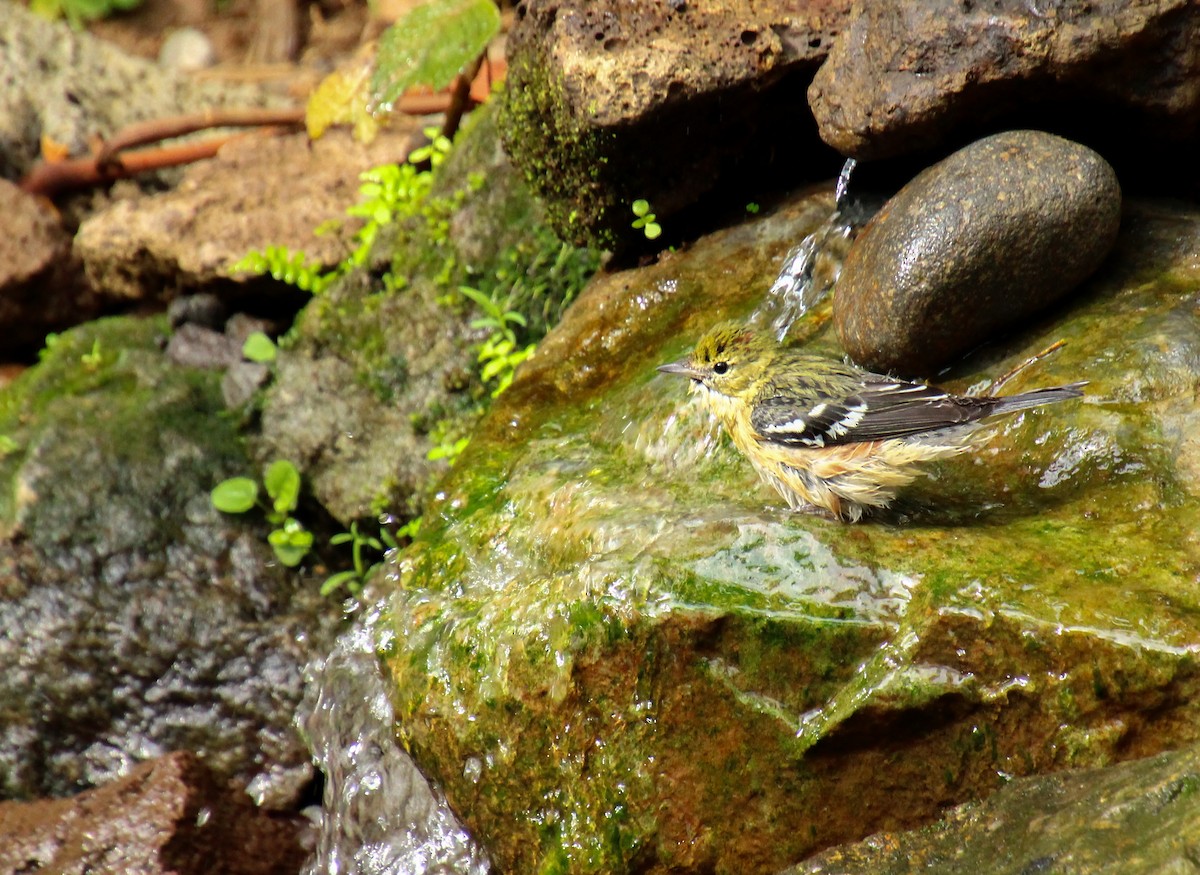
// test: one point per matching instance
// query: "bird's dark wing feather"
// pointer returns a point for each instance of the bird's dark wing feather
(878, 410)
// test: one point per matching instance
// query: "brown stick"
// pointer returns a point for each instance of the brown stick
(460, 96)
(49, 178)
(113, 161)
(999, 382)
(141, 133)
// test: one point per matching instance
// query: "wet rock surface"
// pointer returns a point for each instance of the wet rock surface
(170, 815)
(973, 246)
(909, 77)
(616, 652)
(599, 93)
(136, 619)
(1138, 817)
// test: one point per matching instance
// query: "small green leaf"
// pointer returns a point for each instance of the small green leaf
(290, 543)
(235, 495)
(343, 538)
(336, 580)
(259, 348)
(653, 230)
(640, 207)
(492, 368)
(283, 485)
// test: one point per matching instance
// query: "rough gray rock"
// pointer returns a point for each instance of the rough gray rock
(69, 86)
(991, 235)
(135, 618)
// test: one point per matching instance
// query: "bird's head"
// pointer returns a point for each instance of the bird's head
(728, 360)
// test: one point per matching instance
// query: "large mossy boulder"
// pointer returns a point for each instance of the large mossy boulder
(616, 652)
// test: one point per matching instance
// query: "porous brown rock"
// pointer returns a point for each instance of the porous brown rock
(40, 290)
(608, 102)
(169, 815)
(907, 77)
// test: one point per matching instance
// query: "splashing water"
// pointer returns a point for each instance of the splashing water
(811, 268)
(809, 272)
(380, 816)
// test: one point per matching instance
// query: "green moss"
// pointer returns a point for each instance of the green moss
(104, 411)
(552, 146)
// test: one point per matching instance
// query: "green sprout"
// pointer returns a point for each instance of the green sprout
(259, 348)
(645, 219)
(501, 352)
(289, 539)
(92, 360)
(354, 578)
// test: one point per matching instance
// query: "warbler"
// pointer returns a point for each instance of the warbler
(828, 435)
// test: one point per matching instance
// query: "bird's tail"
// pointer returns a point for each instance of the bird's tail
(1038, 397)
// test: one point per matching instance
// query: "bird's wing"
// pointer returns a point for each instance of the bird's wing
(877, 410)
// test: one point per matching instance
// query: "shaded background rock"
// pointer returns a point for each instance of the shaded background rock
(609, 102)
(1138, 817)
(169, 815)
(68, 86)
(917, 77)
(987, 237)
(40, 286)
(380, 373)
(135, 619)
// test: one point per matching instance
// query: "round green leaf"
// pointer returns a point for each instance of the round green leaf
(290, 543)
(283, 485)
(259, 348)
(235, 495)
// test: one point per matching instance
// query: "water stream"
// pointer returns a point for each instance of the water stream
(380, 816)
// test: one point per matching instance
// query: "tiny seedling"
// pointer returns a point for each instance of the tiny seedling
(500, 353)
(289, 539)
(354, 578)
(260, 348)
(645, 219)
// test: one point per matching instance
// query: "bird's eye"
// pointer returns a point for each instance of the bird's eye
(720, 367)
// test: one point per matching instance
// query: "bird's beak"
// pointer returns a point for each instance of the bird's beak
(682, 368)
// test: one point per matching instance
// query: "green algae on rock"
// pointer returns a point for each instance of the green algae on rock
(616, 653)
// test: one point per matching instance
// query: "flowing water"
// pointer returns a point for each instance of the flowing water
(380, 816)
